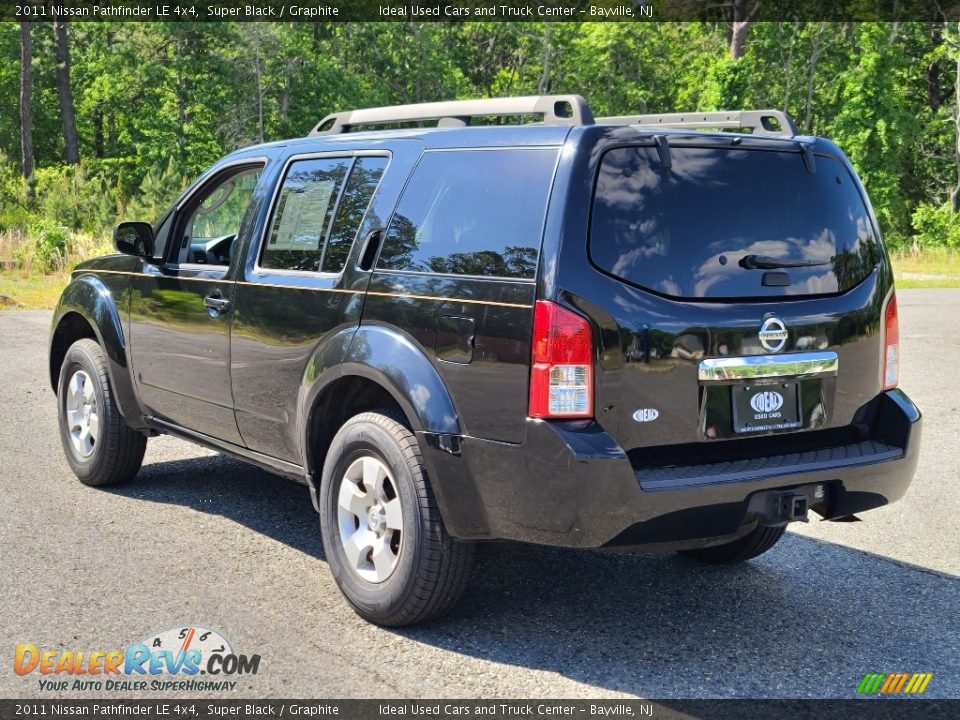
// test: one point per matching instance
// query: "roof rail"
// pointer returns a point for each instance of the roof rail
(761, 122)
(556, 110)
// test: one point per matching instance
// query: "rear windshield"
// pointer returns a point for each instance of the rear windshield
(730, 223)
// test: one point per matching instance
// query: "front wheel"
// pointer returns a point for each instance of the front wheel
(754, 543)
(100, 447)
(382, 532)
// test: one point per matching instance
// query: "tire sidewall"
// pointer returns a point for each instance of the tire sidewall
(354, 441)
(78, 359)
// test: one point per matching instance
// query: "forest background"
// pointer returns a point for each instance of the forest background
(115, 119)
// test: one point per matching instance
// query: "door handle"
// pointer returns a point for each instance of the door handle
(216, 304)
(368, 251)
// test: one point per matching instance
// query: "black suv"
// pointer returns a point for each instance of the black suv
(613, 333)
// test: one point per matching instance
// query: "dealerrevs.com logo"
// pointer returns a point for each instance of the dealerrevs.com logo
(169, 661)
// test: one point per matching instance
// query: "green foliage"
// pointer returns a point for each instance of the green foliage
(48, 248)
(157, 103)
(936, 226)
(13, 216)
(159, 188)
(876, 126)
(68, 197)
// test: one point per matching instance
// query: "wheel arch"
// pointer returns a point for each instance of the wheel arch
(70, 327)
(378, 366)
(87, 310)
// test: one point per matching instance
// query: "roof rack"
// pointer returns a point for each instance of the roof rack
(555, 109)
(761, 122)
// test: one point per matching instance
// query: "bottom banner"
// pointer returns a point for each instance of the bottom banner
(501, 709)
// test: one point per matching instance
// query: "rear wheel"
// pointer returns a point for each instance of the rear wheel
(100, 447)
(382, 532)
(754, 543)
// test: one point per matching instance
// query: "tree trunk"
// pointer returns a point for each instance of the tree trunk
(111, 133)
(26, 134)
(181, 92)
(285, 94)
(955, 194)
(543, 87)
(98, 132)
(934, 93)
(62, 50)
(742, 20)
(260, 92)
(815, 49)
(788, 71)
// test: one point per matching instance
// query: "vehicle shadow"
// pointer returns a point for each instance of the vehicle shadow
(219, 485)
(808, 619)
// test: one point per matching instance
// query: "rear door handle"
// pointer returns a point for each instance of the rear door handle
(368, 251)
(216, 304)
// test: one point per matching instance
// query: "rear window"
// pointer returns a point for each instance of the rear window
(472, 212)
(730, 223)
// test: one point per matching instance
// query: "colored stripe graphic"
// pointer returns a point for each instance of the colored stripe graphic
(894, 683)
(889, 683)
(871, 683)
(922, 685)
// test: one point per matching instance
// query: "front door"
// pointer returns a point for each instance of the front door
(182, 303)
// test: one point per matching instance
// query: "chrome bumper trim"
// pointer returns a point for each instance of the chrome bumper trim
(763, 366)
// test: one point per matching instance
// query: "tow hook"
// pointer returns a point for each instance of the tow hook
(792, 508)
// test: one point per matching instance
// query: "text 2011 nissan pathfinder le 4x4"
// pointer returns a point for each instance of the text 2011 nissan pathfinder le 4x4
(617, 332)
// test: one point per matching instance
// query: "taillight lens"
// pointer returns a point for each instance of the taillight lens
(891, 345)
(561, 378)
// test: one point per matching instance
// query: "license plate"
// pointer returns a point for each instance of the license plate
(760, 408)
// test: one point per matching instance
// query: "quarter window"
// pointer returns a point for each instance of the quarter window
(472, 212)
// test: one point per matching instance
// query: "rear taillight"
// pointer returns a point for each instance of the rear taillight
(561, 378)
(891, 345)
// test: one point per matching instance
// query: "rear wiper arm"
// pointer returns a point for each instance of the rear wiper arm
(762, 262)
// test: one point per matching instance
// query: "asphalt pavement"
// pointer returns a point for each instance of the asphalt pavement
(198, 538)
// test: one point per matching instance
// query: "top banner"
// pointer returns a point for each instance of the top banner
(480, 10)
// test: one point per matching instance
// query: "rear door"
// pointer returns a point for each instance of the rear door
(737, 285)
(300, 282)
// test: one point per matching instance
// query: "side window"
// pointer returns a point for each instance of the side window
(361, 185)
(472, 212)
(302, 214)
(214, 221)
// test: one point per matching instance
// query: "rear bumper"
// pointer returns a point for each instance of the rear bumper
(570, 484)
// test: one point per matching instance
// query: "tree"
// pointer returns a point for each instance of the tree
(26, 121)
(875, 124)
(954, 43)
(742, 19)
(62, 50)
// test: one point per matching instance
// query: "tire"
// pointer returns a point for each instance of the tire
(382, 532)
(110, 453)
(754, 543)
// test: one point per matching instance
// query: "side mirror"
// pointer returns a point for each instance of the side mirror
(134, 238)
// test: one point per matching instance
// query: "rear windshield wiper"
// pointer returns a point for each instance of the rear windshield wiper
(762, 262)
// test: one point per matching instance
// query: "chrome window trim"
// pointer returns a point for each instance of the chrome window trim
(765, 366)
